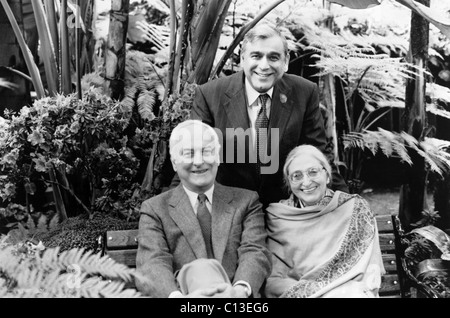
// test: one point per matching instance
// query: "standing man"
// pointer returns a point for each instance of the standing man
(201, 239)
(257, 137)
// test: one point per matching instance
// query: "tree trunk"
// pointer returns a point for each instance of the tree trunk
(412, 193)
(327, 91)
(88, 39)
(115, 50)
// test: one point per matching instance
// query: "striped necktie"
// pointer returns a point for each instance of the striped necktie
(204, 219)
(261, 126)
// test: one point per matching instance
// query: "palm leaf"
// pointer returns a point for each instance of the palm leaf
(66, 81)
(48, 50)
(205, 30)
(5, 83)
(357, 4)
(53, 26)
(433, 17)
(28, 56)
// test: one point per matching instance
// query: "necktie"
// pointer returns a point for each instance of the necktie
(261, 126)
(204, 219)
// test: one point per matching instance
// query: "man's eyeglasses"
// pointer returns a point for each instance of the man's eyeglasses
(188, 154)
(312, 173)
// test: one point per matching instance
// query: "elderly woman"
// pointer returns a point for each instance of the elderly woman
(324, 243)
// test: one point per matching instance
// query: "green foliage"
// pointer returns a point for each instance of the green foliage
(175, 109)
(377, 78)
(30, 271)
(17, 211)
(393, 144)
(75, 137)
(26, 53)
(370, 83)
(439, 282)
(419, 249)
(143, 85)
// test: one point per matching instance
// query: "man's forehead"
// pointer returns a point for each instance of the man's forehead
(195, 136)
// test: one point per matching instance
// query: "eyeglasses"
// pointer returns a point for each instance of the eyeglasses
(312, 173)
(188, 154)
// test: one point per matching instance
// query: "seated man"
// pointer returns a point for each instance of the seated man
(201, 239)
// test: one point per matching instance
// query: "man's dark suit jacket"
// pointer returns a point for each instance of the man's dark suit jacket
(170, 236)
(222, 104)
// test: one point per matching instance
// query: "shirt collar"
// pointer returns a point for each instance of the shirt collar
(252, 94)
(193, 196)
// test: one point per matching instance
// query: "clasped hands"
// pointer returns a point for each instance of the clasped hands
(221, 290)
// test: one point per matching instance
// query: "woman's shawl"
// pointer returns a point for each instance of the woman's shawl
(327, 250)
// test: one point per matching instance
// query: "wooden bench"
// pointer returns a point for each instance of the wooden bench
(122, 247)
(393, 281)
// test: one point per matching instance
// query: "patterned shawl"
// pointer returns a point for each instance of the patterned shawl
(327, 250)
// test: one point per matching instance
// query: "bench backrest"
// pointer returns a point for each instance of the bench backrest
(390, 281)
(122, 247)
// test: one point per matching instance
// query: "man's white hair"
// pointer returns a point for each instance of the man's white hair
(182, 131)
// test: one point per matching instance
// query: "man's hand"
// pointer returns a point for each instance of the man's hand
(237, 291)
(209, 292)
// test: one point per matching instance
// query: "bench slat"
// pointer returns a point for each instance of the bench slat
(390, 263)
(387, 242)
(389, 284)
(127, 257)
(384, 223)
(125, 239)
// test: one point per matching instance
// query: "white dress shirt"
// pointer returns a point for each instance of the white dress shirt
(193, 198)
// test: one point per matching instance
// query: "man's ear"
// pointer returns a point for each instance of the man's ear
(174, 165)
(286, 65)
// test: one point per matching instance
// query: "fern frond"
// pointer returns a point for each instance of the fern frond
(438, 110)
(410, 140)
(438, 158)
(378, 78)
(54, 221)
(30, 223)
(72, 273)
(42, 223)
(93, 79)
(396, 144)
(438, 92)
(145, 102)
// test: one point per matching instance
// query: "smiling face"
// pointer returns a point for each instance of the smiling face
(309, 190)
(264, 62)
(195, 158)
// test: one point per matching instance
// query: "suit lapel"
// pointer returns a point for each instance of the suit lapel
(237, 114)
(222, 217)
(281, 109)
(181, 212)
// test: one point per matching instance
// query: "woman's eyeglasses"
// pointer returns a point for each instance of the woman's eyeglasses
(312, 173)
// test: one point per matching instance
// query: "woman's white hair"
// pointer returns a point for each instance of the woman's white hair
(309, 150)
